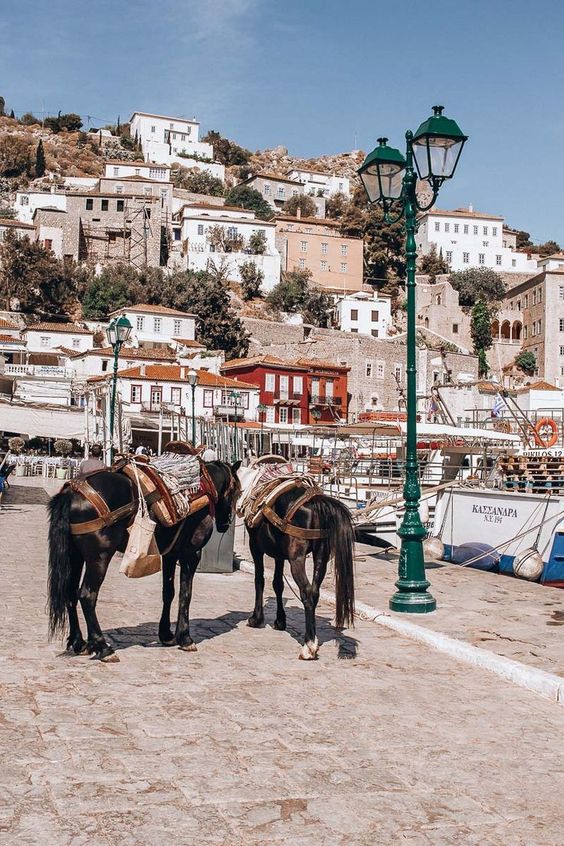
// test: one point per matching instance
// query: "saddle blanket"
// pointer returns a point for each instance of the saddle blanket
(173, 486)
(270, 483)
(182, 472)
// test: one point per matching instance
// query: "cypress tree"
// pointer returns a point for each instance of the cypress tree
(40, 160)
(12, 115)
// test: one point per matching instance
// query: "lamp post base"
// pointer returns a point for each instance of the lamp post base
(413, 598)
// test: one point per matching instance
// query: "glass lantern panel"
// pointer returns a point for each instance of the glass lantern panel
(392, 180)
(371, 184)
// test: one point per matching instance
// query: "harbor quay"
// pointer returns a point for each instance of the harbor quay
(382, 740)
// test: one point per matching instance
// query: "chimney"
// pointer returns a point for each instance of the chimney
(183, 373)
(142, 369)
(298, 212)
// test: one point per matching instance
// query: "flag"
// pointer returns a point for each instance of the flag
(498, 406)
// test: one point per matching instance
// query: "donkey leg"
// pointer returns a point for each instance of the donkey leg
(188, 566)
(166, 636)
(75, 641)
(308, 596)
(91, 584)
(256, 620)
(278, 585)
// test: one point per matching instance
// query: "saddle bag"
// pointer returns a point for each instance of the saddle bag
(141, 557)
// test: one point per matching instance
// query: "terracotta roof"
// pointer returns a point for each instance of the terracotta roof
(188, 342)
(7, 324)
(71, 328)
(541, 385)
(152, 309)
(11, 339)
(128, 352)
(273, 361)
(314, 362)
(135, 178)
(546, 258)
(172, 373)
(272, 176)
(15, 224)
(65, 350)
(461, 213)
(112, 162)
(317, 221)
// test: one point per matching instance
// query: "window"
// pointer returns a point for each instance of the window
(175, 396)
(354, 331)
(76, 343)
(343, 267)
(513, 262)
(375, 316)
(139, 323)
(455, 328)
(481, 258)
(119, 189)
(208, 399)
(526, 301)
(232, 232)
(136, 393)
(156, 172)
(157, 325)
(44, 341)
(485, 230)
(303, 246)
(270, 414)
(447, 227)
(270, 382)
(485, 243)
(397, 372)
(494, 231)
(539, 327)
(48, 243)
(498, 260)
(368, 369)
(380, 369)
(540, 296)
(354, 314)
(177, 327)
(294, 192)
(282, 414)
(324, 248)
(437, 227)
(344, 250)
(475, 230)
(284, 387)
(301, 264)
(266, 188)
(456, 227)
(105, 205)
(119, 205)
(116, 171)
(147, 190)
(89, 204)
(24, 200)
(561, 350)
(153, 129)
(449, 256)
(298, 382)
(535, 297)
(525, 332)
(323, 265)
(177, 234)
(466, 229)
(561, 292)
(466, 258)
(281, 193)
(374, 333)
(200, 228)
(296, 415)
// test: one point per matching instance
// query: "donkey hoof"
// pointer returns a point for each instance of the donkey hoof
(255, 623)
(309, 650)
(279, 625)
(188, 647)
(171, 642)
(112, 658)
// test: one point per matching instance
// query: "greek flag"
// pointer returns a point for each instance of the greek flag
(498, 406)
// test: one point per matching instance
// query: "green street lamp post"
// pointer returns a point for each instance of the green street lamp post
(390, 179)
(118, 333)
(234, 395)
(262, 409)
(193, 380)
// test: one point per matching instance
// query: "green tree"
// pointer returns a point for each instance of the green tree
(547, 249)
(70, 122)
(226, 152)
(248, 198)
(258, 243)
(296, 295)
(15, 155)
(2, 107)
(477, 283)
(433, 263)
(481, 332)
(198, 181)
(27, 119)
(12, 114)
(252, 278)
(113, 288)
(32, 275)
(527, 362)
(302, 203)
(318, 309)
(335, 206)
(40, 159)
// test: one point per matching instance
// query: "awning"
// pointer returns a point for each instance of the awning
(42, 422)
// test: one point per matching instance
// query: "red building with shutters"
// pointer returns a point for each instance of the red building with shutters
(304, 391)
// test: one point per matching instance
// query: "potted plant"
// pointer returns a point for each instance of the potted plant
(63, 447)
(16, 445)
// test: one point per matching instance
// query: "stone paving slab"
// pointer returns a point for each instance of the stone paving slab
(241, 743)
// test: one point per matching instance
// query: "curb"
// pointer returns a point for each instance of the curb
(540, 682)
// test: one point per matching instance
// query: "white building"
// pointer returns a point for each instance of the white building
(196, 225)
(148, 387)
(364, 313)
(28, 201)
(155, 326)
(118, 169)
(471, 239)
(44, 337)
(21, 230)
(100, 360)
(167, 139)
(318, 184)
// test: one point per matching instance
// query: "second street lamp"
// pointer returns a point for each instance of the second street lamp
(389, 179)
(262, 409)
(193, 382)
(118, 333)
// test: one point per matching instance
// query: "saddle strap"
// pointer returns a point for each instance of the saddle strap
(105, 520)
(83, 487)
(290, 529)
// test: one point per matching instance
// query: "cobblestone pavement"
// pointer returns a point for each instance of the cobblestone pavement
(241, 743)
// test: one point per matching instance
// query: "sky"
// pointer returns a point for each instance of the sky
(317, 76)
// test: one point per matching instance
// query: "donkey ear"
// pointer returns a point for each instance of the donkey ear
(235, 466)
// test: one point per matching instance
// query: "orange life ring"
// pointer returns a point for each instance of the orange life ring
(539, 440)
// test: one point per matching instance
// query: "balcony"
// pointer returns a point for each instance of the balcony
(314, 399)
(43, 370)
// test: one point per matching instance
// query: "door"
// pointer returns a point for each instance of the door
(284, 387)
(156, 398)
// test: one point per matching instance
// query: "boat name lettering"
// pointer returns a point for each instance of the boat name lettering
(496, 511)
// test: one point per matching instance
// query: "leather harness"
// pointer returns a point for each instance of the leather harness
(285, 525)
(106, 517)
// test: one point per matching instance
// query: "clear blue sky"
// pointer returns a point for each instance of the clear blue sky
(318, 76)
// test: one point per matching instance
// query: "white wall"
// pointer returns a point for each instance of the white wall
(314, 182)
(28, 201)
(463, 239)
(163, 138)
(149, 327)
(35, 342)
(213, 168)
(364, 323)
(114, 170)
(206, 399)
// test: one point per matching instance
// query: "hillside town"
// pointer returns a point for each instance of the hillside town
(257, 231)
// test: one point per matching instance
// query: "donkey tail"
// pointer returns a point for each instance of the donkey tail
(60, 560)
(337, 520)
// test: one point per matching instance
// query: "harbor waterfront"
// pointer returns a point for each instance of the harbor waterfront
(240, 742)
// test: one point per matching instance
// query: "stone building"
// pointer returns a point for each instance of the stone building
(376, 379)
(438, 309)
(276, 190)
